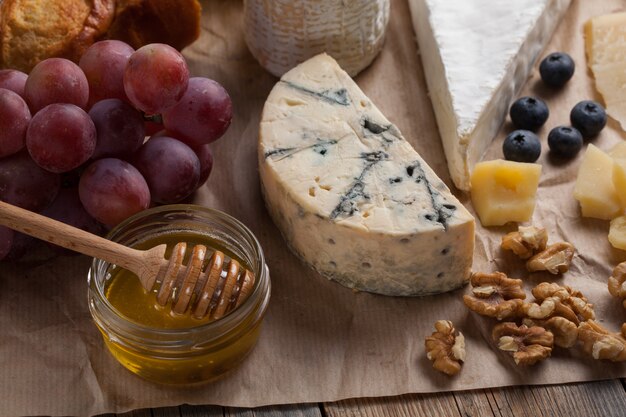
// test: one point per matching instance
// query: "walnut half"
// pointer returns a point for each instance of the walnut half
(602, 344)
(559, 301)
(565, 332)
(445, 348)
(496, 295)
(617, 286)
(527, 345)
(526, 241)
(555, 259)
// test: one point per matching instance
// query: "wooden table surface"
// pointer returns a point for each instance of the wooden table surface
(589, 399)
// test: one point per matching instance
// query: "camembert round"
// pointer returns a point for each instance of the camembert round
(284, 33)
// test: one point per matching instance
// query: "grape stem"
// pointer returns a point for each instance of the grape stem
(156, 118)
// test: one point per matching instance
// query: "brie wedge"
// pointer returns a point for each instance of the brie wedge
(476, 55)
(351, 196)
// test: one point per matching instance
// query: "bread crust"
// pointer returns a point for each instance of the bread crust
(32, 30)
(140, 22)
(96, 24)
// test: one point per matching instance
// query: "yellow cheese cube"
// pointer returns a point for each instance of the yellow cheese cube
(617, 233)
(618, 151)
(504, 191)
(619, 179)
(605, 41)
(594, 188)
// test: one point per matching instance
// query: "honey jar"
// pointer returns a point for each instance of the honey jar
(156, 343)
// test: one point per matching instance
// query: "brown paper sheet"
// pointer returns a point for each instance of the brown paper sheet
(320, 341)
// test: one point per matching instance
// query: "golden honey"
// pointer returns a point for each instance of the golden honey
(125, 292)
(151, 340)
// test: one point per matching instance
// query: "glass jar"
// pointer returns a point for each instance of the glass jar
(187, 355)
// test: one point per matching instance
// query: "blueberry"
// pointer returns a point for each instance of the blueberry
(529, 113)
(556, 69)
(588, 117)
(521, 146)
(565, 141)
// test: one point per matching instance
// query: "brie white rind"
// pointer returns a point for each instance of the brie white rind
(283, 33)
(351, 196)
(476, 55)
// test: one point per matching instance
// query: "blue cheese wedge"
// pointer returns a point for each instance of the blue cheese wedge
(351, 196)
(477, 54)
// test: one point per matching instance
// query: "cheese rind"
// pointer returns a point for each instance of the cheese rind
(283, 33)
(351, 196)
(476, 55)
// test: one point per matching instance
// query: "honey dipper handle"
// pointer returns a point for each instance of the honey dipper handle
(69, 237)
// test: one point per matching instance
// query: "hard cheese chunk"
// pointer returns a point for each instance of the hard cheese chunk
(504, 191)
(617, 233)
(618, 151)
(477, 54)
(619, 180)
(594, 187)
(351, 196)
(605, 42)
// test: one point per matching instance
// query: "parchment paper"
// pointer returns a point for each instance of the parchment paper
(320, 341)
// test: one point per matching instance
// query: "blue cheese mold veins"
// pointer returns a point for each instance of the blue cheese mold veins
(350, 195)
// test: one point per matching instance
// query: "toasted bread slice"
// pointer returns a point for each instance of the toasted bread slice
(140, 22)
(32, 30)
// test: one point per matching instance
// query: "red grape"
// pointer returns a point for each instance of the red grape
(155, 78)
(153, 127)
(111, 190)
(21, 245)
(56, 80)
(120, 128)
(161, 133)
(104, 63)
(13, 80)
(202, 115)
(23, 183)
(206, 162)
(14, 119)
(6, 241)
(170, 167)
(70, 179)
(68, 209)
(61, 137)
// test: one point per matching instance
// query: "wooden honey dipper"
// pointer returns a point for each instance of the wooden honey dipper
(206, 290)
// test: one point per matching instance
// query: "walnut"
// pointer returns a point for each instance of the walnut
(528, 345)
(565, 331)
(602, 344)
(496, 295)
(526, 241)
(446, 349)
(555, 259)
(559, 301)
(617, 287)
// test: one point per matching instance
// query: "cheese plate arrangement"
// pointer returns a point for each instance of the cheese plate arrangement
(434, 190)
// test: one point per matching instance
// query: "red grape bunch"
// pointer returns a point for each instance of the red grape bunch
(73, 137)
